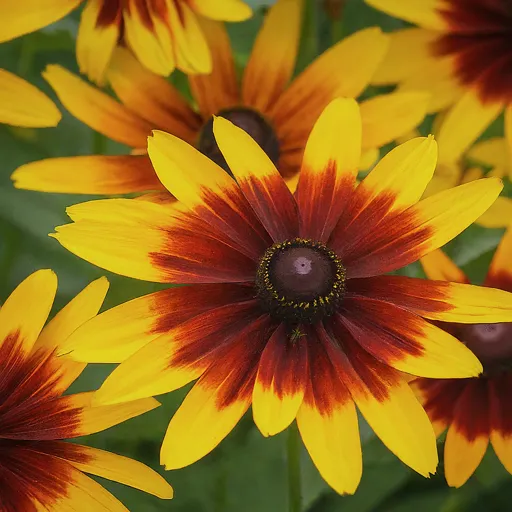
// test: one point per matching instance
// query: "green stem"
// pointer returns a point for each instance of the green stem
(294, 475)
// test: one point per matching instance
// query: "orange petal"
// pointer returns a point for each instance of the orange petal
(438, 266)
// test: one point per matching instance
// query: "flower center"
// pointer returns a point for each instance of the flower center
(491, 343)
(252, 123)
(300, 281)
(479, 37)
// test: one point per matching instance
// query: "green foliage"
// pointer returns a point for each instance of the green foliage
(246, 472)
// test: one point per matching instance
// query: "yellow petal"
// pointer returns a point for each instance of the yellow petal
(499, 214)
(26, 310)
(438, 266)
(155, 53)
(19, 18)
(409, 48)
(91, 174)
(463, 124)
(329, 168)
(389, 116)
(94, 419)
(425, 13)
(22, 104)
(491, 152)
(223, 10)
(502, 444)
(343, 70)
(200, 424)
(121, 469)
(403, 173)
(97, 109)
(448, 213)
(95, 42)
(500, 270)
(461, 456)
(508, 137)
(273, 56)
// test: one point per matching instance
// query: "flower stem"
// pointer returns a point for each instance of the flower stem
(294, 476)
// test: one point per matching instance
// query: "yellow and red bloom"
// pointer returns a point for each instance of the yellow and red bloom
(288, 309)
(278, 115)
(38, 470)
(163, 35)
(22, 104)
(475, 411)
(462, 54)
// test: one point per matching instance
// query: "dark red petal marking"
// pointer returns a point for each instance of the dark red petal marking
(321, 199)
(233, 371)
(175, 306)
(500, 393)
(370, 239)
(234, 219)
(30, 405)
(362, 373)
(385, 331)
(284, 362)
(274, 205)
(501, 280)
(196, 252)
(479, 38)
(420, 296)
(35, 471)
(110, 12)
(203, 340)
(326, 389)
(471, 413)
(440, 397)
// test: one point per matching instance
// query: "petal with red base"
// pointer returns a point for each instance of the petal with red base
(219, 89)
(208, 190)
(95, 174)
(500, 271)
(386, 401)
(180, 356)
(372, 241)
(24, 313)
(280, 382)
(157, 242)
(273, 56)
(405, 341)
(259, 180)
(500, 389)
(118, 333)
(468, 435)
(96, 109)
(327, 420)
(329, 169)
(217, 401)
(437, 300)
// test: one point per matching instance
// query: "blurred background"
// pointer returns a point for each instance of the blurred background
(246, 473)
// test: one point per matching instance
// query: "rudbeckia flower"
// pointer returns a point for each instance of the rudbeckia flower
(278, 115)
(22, 104)
(163, 35)
(38, 470)
(461, 52)
(475, 411)
(289, 308)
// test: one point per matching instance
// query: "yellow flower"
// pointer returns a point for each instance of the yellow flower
(477, 410)
(276, 113)
(289, 306)
(38, 470)
(22, 104)
(461, 53)
(163, 35)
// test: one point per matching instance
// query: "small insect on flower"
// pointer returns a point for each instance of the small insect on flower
(38, 470)
(475, 411)
(289, 308)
